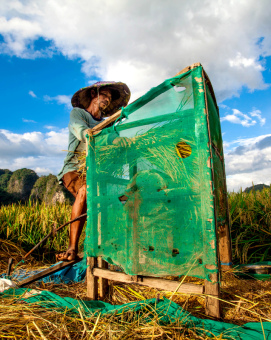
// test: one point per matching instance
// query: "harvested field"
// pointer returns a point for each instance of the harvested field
(242, 301)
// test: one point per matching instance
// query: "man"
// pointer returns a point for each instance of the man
(90, 105)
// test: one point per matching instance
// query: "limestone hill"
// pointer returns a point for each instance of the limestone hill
(24, 184)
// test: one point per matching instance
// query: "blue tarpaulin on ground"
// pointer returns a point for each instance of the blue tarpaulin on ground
(70, 274)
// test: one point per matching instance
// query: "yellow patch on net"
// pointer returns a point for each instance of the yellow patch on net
(199, 80)
(183, 150)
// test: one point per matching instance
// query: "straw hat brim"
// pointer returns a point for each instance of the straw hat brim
(120, 96)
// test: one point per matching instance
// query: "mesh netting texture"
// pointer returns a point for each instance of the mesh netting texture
(151, 206)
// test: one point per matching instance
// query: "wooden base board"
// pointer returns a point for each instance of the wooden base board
(211, 289)
(168, 285)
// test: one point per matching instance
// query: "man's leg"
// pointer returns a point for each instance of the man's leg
(79, 207)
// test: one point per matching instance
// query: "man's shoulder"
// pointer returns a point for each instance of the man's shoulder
(84, 115)
(77, 110)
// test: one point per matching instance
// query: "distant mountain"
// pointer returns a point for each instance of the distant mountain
(257, 187)
(21, 183)
(5, 175)
(24, 184)
(6, 198)
(48, 190)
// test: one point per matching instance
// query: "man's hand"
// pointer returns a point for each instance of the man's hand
(122, 141)
(88, 132)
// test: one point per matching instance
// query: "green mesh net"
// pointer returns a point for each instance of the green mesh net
(151, 206)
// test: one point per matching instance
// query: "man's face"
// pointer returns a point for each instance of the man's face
(103, 100)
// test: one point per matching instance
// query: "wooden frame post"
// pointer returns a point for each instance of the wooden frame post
(212, 295)
(103, 282)
(92, 280)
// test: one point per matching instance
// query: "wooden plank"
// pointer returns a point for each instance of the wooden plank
(106, 122)
(92, 281)
(103, 283)
(48, 271)
(188, 68)
(168, 285)
(212, 292)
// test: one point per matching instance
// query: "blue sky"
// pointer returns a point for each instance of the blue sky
(50, 49)
(37, 84)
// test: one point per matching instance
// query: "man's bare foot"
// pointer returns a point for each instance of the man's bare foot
(69, 255)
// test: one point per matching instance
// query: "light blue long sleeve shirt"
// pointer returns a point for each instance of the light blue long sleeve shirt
(80, 120)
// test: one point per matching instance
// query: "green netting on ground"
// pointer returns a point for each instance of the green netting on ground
(164, 311)
(151, 208)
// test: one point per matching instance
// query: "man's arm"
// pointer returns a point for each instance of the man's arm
(110, 138)
(78, 125)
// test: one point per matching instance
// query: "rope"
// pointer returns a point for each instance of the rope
(97, 134)
(122, 115)
(226, 263)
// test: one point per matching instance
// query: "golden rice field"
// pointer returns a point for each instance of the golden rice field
(250, 218)
(27, 224)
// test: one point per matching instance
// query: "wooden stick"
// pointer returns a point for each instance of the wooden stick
(92, 281)
(48, 271)
(153, 282)
(52, 233)
(10, 261)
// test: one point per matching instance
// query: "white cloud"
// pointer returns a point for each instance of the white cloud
(144, 42)
(249, 161)
(241, 62)
(34, 150)
(32, 94)
(237, 117)
(57, 138)
(50, 127)
(247, 179)
(60, 99)
(257, 113)
(42, 171)
(29, 121)
(250, 141)
(223, 106)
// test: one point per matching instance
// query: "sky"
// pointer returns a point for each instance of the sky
(51, 48)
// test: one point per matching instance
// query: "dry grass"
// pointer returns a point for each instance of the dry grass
(25, 322)
(242, 302)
